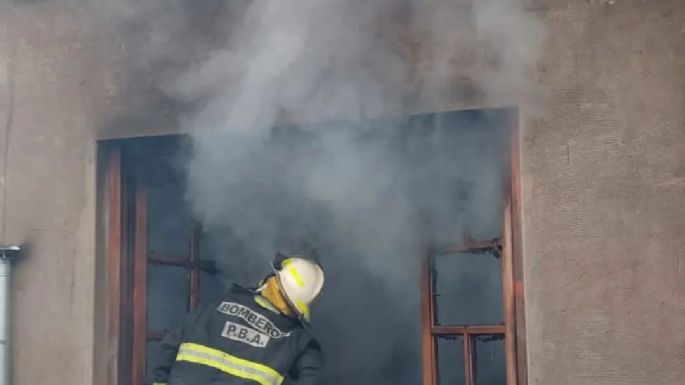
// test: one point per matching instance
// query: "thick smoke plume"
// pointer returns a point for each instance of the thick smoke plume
(293, 147)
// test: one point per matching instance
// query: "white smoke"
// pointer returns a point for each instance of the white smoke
(368, 193)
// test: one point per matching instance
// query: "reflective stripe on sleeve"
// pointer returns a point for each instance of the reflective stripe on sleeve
(238, 367)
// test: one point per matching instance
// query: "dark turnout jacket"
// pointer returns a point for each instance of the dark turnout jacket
(235, 340)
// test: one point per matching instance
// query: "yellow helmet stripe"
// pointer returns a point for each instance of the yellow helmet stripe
(293, 272)
(303, 308)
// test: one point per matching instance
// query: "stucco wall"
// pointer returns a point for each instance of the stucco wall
(604, 197)
(51, 95)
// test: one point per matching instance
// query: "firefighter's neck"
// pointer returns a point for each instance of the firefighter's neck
(272, 292)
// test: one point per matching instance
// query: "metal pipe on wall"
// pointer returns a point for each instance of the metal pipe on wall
(7, 255)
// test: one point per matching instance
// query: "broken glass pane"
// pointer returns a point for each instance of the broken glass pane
(457, 165)
(168, 290)
(489, 366)
(468, 289)
(450, 360)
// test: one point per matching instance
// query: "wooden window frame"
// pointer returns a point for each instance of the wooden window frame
(128, 257)
(115, 319)
(513, 328)
(142, 258)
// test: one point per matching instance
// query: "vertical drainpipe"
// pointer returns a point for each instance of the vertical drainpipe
(7, 255)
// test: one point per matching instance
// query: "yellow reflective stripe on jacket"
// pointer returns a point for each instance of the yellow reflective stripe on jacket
(227, 363)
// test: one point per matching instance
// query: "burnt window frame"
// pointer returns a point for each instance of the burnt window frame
(513, 327)
(126, 274)
(128, 255)
(144, 256)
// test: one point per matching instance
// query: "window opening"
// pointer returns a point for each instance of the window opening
(170, 276)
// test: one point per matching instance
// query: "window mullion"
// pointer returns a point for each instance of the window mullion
(194, 273)
(468, 359)
(470, 329)
(140, 260)
(508, 296)
(428, 340)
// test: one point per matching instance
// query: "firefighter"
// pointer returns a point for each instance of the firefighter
(250, 336)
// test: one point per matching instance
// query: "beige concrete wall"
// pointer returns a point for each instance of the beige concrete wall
(604, 197)
(52, 87)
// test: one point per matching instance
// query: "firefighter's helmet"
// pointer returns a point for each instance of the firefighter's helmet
(301, 280)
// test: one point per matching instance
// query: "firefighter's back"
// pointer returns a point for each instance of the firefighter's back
(238, 340)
